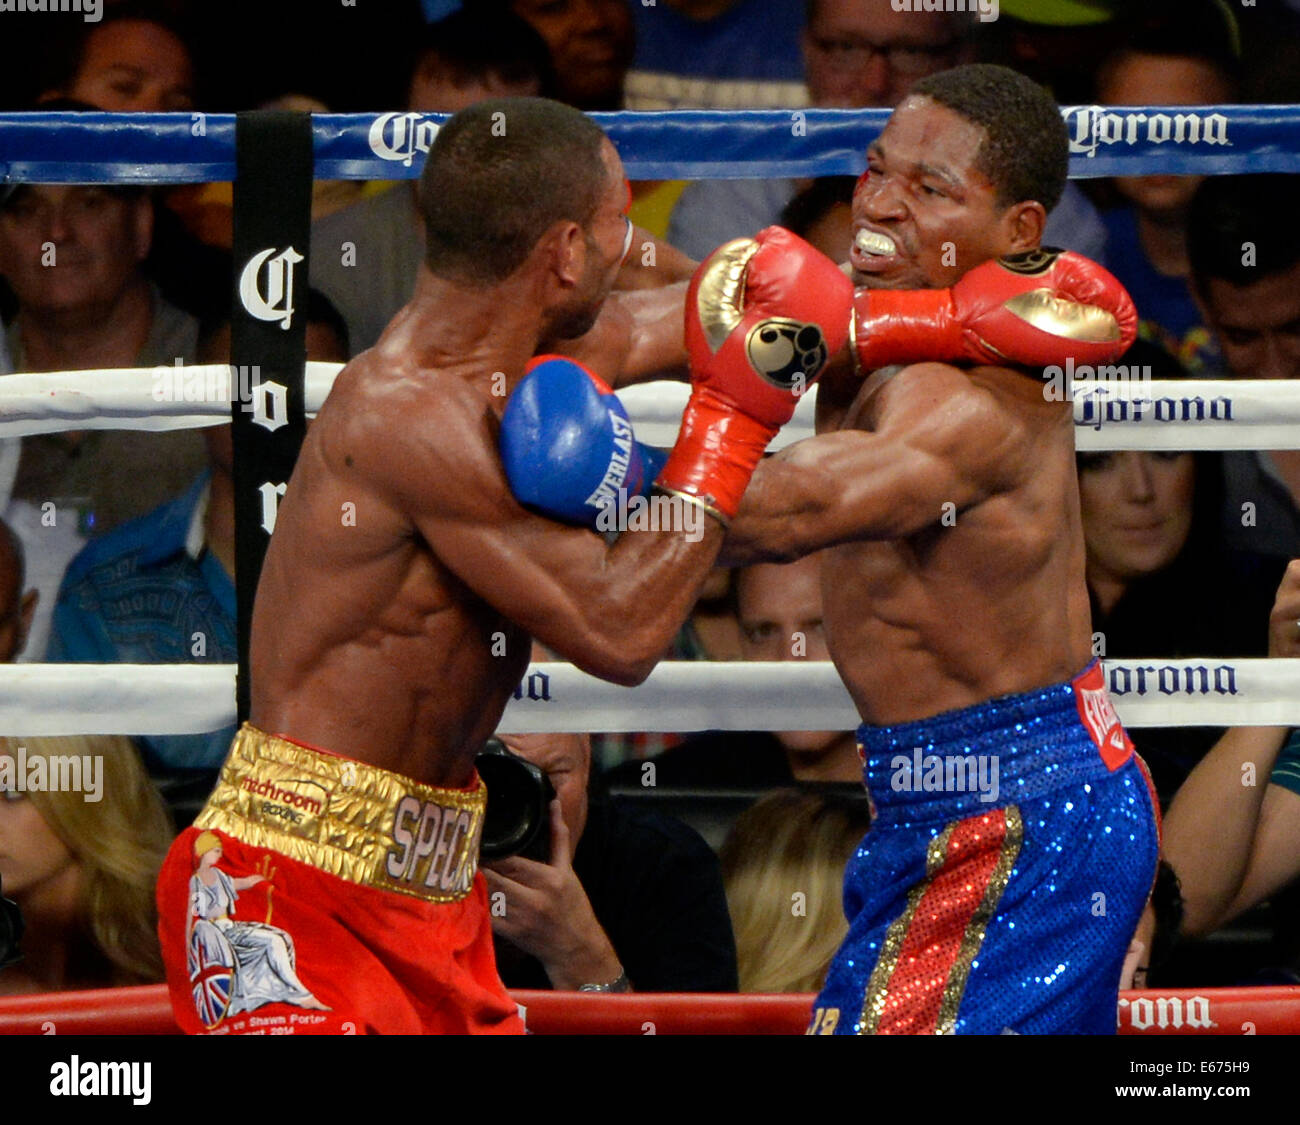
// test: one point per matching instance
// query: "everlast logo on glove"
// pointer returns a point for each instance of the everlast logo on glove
(787, 353)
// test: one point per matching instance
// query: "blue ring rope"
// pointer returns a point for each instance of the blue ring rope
(65, 147)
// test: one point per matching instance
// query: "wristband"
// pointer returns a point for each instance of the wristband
(703, 505)
(618, 984)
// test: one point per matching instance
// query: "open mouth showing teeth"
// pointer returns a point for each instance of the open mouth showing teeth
(869, 242)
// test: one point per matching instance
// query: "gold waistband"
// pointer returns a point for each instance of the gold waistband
(347, 818)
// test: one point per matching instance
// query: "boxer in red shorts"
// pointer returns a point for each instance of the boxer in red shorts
(331, 883)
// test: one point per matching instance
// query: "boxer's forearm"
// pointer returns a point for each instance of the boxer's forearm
(656, 341)
(1210, 828)
(762, 531)
(789, 510)
(840, 488)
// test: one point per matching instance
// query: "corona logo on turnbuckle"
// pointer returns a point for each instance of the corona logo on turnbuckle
(399, 136)
(1097, 714)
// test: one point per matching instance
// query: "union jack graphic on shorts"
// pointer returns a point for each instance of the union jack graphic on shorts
(211, 983)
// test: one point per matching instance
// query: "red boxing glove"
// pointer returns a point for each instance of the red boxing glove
(1031, 310)
(763, 317)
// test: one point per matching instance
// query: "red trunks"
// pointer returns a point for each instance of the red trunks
(316, 894)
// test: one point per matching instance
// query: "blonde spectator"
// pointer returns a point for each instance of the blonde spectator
(783, 865)
(81, 861)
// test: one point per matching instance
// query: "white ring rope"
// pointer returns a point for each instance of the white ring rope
(1160, 414)
(159, 699)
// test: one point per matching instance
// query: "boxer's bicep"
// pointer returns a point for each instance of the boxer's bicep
(462, 505)
(612, 611)
(844, 487)
(938, 447)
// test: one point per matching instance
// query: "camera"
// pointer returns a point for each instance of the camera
(519, 796)
(11, 931)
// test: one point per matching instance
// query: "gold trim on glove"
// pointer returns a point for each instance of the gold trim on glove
(698, 501)
(1061, 317)
(853, 341)
(719, 300)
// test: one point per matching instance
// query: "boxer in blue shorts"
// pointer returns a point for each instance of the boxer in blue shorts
(1016, 838)
(1011, 850)
(1000, 892)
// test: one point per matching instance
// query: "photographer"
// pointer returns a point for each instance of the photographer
(628, 900)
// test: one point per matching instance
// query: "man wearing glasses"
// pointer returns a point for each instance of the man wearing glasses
(859, 54)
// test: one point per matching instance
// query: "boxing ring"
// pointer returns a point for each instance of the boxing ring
(151, 149)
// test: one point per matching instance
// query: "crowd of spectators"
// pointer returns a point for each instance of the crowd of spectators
(118, 545)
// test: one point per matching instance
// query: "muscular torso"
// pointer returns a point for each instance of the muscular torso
(367, 640)
(989, 601)
(363, 643)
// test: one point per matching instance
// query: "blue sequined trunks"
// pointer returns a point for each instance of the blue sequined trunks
(998, 889)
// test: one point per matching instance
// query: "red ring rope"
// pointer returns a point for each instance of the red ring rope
(1271, 1010)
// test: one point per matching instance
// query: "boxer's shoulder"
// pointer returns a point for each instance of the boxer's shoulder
(385, 396)
(990, 392)
(424, 439)
(1021, 395)
(904, 391)
(969, 417)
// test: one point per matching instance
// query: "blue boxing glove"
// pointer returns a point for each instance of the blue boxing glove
(567, 444)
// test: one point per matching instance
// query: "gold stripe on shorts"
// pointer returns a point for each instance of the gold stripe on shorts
(348, 818)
